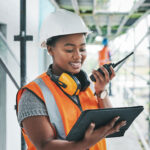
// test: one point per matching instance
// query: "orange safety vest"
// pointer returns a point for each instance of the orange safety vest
(66, 112)
(103, 56)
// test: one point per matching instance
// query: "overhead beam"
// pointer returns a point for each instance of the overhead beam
(134, 8)
(104, 14)
(108, 26)
(94, 18)
(94, 6)
(75, 6)
(110, 13)
(97, 26)
(143, 16)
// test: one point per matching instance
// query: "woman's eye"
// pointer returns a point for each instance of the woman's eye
(82, 50)
(69, 51)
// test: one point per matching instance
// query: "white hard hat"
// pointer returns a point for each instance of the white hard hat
(61, 22)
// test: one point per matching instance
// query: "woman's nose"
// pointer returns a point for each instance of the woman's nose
(77, 55)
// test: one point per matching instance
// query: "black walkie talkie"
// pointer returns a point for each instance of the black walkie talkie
(107, 66)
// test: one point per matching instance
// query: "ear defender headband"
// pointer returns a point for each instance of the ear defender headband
(70, 84)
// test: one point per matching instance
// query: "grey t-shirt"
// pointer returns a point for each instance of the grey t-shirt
(30, 105)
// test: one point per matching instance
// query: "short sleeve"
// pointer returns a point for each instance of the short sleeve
(30, 105)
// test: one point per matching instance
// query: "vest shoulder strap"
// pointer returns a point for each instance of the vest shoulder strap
(52, 108)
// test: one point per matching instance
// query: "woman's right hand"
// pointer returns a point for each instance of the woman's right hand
(93, 136)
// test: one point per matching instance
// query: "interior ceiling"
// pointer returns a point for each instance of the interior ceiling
(101, 20)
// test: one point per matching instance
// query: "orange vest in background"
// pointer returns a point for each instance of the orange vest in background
(68, 110)
(103, 56)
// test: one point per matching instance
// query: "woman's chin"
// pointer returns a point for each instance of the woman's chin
(75, 71)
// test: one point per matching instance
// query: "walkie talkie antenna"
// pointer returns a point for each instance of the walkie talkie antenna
(114, 65)
(107, 67)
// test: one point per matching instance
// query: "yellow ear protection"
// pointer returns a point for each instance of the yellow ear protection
(70, 84)
(73, 85)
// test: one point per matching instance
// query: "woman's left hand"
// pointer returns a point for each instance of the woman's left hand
(102, 81)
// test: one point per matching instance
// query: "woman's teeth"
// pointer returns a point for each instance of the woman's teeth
(76, 65)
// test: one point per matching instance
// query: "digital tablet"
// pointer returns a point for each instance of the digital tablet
(101, 117)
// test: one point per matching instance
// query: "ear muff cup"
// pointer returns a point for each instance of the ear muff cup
(83, 79)
(73, 85)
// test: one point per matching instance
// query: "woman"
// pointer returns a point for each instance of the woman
(49, 106)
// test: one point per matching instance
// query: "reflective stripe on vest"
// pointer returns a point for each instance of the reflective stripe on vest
(53, 112)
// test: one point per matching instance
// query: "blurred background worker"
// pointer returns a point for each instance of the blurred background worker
(49, 106)
(104, 54)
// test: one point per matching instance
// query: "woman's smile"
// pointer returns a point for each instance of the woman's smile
(76, 65)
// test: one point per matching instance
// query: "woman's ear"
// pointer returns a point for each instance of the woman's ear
(49, 50)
